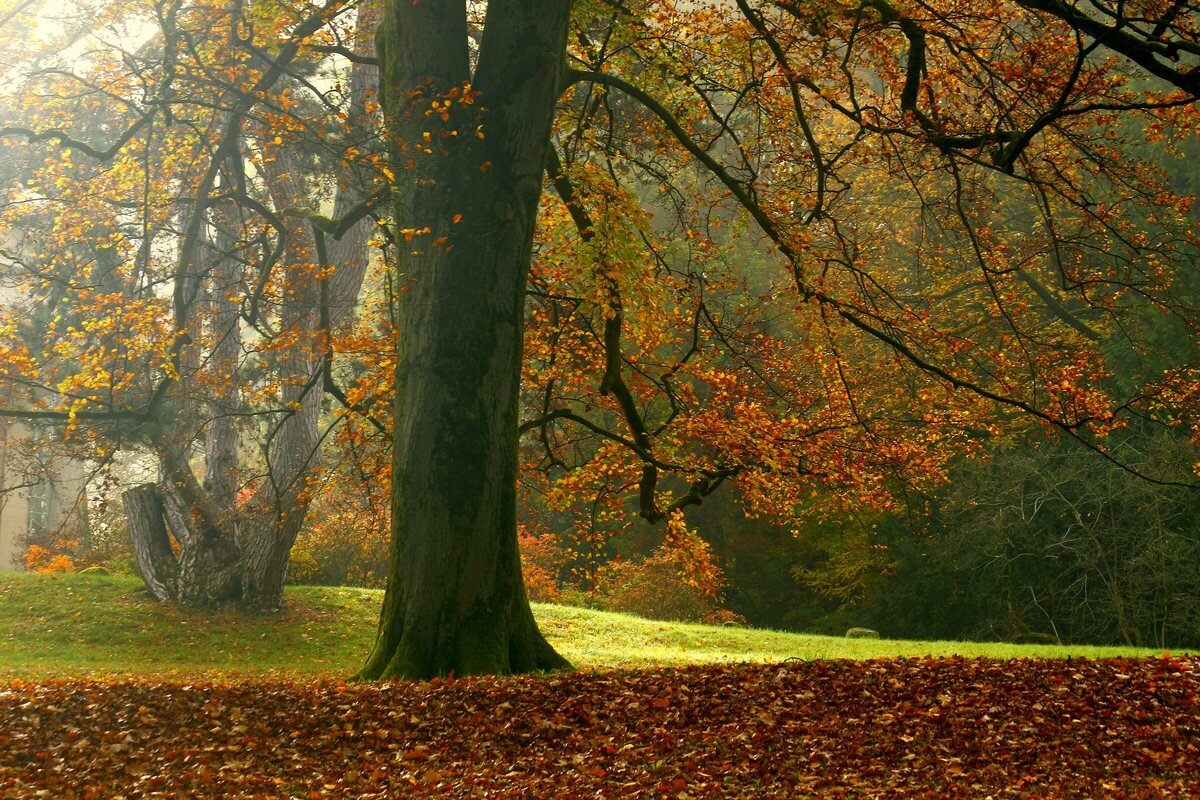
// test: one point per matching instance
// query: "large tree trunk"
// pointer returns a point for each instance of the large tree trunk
(466, 200)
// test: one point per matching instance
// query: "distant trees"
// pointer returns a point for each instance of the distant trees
(1047, 542)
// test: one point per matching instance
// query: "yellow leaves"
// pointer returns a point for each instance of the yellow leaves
(106, 346)
(608, 262)
(693, 554)
(410, 233)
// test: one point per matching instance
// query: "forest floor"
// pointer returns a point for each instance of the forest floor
(927, 727)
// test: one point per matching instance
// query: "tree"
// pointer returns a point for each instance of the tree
(467, 187)
(1044, 541)
(798, 105)
(206, 191)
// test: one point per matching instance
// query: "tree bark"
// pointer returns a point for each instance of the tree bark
(151, 543)
(221, 460)
(208, 553)
(467, 193)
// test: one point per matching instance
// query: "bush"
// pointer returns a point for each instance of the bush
(45, 559)
(103, 541)
(341, 546)
(657, 587)
(663, 585)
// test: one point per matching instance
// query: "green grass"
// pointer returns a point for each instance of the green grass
(69, 625)
(93, 625)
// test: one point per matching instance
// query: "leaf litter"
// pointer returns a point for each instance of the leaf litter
(947, 727)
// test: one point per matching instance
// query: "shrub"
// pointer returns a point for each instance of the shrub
(44, 559)
(341, 546)
(102, 541)
(657, 587)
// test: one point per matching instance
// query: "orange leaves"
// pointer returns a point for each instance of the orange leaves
(823, 728)
(410, 233)
(41, 559)
(1077, 394)
(17, 363)
(660, 586)
(693, 554)
(441, 108)
(541, 561)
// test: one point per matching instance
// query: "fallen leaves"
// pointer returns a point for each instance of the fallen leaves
(888, 728)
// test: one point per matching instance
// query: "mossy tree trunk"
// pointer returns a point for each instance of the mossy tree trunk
(468, 152)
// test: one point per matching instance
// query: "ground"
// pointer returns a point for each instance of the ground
(923, 727)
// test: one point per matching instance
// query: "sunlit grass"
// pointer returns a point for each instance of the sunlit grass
(90, 625)
(598, 639)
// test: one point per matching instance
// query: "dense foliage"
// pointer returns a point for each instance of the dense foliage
(1048, 542)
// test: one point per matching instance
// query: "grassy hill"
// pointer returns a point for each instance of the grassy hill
(93, 625)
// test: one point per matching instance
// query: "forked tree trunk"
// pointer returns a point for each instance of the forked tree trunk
(185, 558)
(223, 553)
(200, 570)
(466, 199)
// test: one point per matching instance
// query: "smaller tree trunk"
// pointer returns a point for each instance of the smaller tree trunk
(151, 542)
(208, 552)
(266, 545)
(205, 573)
(242, 559)
(208, 573)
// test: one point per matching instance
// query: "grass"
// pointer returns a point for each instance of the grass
(104, 625)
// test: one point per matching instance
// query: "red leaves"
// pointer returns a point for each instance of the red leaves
(899, 728)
